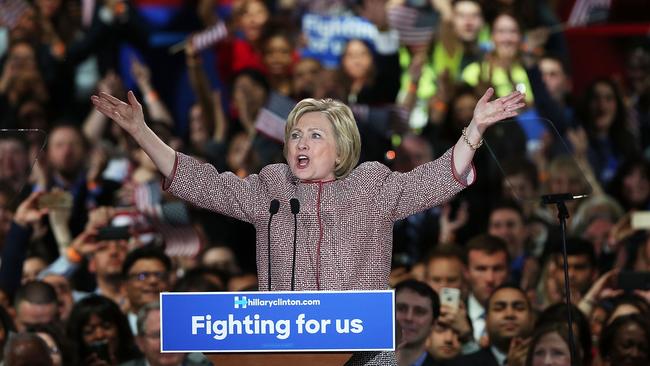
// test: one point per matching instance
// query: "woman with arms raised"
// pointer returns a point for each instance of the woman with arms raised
(346, 214)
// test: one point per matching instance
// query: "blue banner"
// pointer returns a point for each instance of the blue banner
(327, 35)
(277, 321)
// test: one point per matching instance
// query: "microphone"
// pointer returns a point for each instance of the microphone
(295, 209)
(273, 209)
(548, 199)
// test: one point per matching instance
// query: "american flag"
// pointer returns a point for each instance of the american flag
(11, 11)
(272, 118)
(210, 36)
(589, 11)
(415, 27)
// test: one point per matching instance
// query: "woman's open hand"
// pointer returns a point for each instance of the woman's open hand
(129, 116)
(487, 113)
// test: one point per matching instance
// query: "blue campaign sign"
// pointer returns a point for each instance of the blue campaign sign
(327, 35)
(277, 321)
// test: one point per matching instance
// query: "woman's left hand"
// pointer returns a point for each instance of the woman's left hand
(487, 113)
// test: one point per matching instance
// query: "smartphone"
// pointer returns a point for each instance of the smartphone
(114, 233)
(633, 280)
(55, 200)
(450, 297)
(100, 349)
(641, 220)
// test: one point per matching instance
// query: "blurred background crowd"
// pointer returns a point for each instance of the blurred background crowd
(88, 239)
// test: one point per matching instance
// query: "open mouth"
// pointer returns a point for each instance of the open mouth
(303, 161)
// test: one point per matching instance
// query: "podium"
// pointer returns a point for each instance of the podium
(278, 328)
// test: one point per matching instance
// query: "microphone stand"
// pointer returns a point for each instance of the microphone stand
(562, 215)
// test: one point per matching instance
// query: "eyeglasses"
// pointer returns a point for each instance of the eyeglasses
(143, 276)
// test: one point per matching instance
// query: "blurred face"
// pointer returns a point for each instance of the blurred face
(554, 78)
(603, 106)
(630, 347)
(508, 316)
(21, 58)
(97, 329)
(357, 60)
(414, 316)
(565, 180)
(305, 77)
(518, 187)
(31, 268)
(445, 272)
(65, 151)
(636, 187)
(467, 20)
(108, 259)
(147, 278)
(506, 36)
(27, 26)
(63, 293)
(28, 314)
(199, 133)
(412, 153)
(253, 18)
(149, 343)
(444, 342)
(596, 323)
(238, 151)
(55, 352)
(486, 272)
(508, 225)
(581, 274)
(13, 160)
(551, 350)
(464, 110)
(311, 149)
(48, 7)
(253, 94)
(278, 56)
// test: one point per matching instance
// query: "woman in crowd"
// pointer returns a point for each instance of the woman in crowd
(101, 333)
(550, 346)
(626, 341)
(605, 120)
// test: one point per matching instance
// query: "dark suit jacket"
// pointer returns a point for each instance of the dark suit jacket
(429, 361)
(483, 357)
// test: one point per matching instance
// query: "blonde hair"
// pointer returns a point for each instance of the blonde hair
(346, 133)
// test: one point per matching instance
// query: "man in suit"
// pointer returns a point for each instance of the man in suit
(148, 340)
(486, 261)
(509, 322)
(417, 307)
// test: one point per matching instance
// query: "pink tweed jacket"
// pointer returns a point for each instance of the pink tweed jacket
(344, 236)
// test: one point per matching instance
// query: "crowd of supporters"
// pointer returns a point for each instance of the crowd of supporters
(88, 237)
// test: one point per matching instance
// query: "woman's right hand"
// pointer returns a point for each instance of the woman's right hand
(128, 116)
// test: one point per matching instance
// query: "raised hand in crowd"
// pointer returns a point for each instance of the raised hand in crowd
(28, 213)
(449, 226)
(603, 288)
(518, 351)
(456, 318)
(131, 118)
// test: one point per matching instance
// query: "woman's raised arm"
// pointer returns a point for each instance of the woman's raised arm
(486, 114)
(131, 118)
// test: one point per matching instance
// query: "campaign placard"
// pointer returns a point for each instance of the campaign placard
(327, 35)
(297, 321)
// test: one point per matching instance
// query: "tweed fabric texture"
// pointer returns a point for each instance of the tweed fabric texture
(345, 226)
